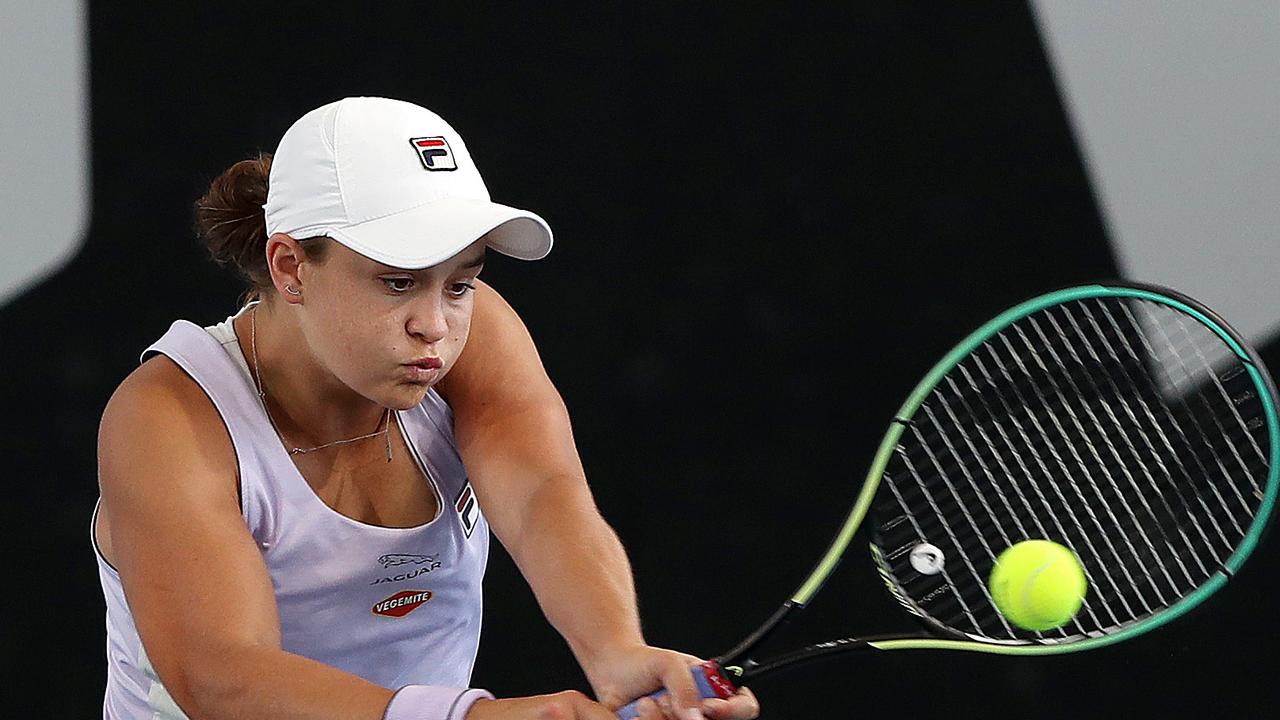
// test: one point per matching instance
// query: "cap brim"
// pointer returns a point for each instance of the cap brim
(432, 233)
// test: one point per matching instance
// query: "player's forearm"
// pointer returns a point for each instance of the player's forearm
(269, 683)
(578, 570)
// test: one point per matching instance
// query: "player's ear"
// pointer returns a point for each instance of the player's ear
(285, 257)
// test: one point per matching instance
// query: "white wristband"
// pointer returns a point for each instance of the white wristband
(432, 702)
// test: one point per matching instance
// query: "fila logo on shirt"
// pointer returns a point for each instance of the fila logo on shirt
(402, 603)
(434, 153)
(468, 509)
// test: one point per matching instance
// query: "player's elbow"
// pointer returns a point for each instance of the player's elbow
(210, 686)
(178, 684)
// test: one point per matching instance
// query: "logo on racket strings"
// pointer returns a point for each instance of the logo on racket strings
(927, 559)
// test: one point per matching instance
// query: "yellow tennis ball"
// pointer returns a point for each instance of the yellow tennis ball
(1038, 584)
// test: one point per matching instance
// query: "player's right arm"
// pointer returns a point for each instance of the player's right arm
(194, 578)
(195, 581)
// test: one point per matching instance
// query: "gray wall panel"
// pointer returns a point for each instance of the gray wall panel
(1175, 106)
(44, 139)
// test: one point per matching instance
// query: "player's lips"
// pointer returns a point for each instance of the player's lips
(424, 369)
(427, 363)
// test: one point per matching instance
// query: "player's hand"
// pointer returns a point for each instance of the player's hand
(569, 705)
(636, 671)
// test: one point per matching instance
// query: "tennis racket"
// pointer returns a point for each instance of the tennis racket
(1127, 422)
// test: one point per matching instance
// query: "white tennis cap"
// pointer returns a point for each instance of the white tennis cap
(394, 182)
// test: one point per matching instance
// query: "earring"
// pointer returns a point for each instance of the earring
(289, 289)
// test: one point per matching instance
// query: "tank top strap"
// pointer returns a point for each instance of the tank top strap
(202, 357)
(429, 428)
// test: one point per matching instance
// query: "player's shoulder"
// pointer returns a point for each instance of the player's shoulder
(491, 305)
(159, 386)
(500, 355)
(159, 407)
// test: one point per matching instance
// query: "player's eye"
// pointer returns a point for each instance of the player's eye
(398, 285)
(460, 289)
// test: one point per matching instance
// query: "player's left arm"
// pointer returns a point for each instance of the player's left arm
(515, 438)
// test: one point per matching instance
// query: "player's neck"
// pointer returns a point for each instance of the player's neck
(310, 406)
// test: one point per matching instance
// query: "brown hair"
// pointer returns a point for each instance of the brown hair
(229, 219)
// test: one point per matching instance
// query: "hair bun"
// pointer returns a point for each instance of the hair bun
(230, 220)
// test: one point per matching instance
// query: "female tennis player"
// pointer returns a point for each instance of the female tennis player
(296, 503)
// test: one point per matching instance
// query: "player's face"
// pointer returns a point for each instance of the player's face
(369, 323)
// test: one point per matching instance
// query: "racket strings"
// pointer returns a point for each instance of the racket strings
(1139, 496)
(1124, 429)
(1147, 415)
(993, 519)
(955, 589)
(1076, 451)
(1206, 442)
(1244, 393)
(1055, 502)
(1032, 519)
(1220, 445)
(1019, 530)
(1135, 418)
(1115, 474)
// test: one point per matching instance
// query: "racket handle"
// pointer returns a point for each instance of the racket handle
(708, 678)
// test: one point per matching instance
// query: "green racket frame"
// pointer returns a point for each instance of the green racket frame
(1253, 365)
(719, 677)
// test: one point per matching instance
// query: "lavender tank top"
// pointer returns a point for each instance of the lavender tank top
(396, 606)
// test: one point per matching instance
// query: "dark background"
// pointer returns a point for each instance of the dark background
(770, 222)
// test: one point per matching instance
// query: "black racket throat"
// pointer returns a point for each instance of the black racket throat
(737, 665)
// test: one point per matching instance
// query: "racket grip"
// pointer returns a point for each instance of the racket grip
(708, 678)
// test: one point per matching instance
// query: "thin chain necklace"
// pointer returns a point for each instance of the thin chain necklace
(384, 423)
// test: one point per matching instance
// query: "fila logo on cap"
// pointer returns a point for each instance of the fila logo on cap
(467, 509)
(434, 153)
